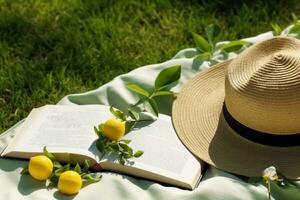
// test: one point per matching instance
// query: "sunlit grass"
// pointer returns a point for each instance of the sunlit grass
(49, 49)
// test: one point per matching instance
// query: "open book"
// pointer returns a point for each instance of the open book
(66, 130)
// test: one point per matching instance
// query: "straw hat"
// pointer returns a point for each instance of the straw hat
(243, 115)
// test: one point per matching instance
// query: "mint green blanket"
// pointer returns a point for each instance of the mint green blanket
(216, 184)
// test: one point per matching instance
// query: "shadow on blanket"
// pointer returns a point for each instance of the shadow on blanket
(28, 185)
(9, 165)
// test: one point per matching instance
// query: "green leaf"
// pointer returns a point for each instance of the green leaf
(234, 46)
(91, 178)
(53, 181)
(133, 114)
(276, 29)
(56, 165)
(140, 101)
(154, 106)
(138, 89)
(49, 155)
(138, 154)
(125, 141)
(25, 170)
(59, 171)
(127, 156)
(212, 31)
(202, 43)
(129, 125)
(71, 159)
(126, 148)
(167, 77)
(96, 131)
(114, 146)
(151, 107)
(162, 93)
(204, 56)
(122, 160)
(77, 168)
(100, 145)
(117, 113)
(100, 129)
(86, 166)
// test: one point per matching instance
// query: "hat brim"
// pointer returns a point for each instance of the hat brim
(199, 123)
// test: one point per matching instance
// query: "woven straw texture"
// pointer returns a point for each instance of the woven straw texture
(263, 86)
(261, 89)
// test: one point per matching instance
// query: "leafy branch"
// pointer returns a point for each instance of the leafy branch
(163, 81)
(208, 47)
(84, 171)
(147, 103)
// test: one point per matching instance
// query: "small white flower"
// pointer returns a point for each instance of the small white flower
(270, 173)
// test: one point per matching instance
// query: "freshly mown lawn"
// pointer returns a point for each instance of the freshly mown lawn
(50, 48)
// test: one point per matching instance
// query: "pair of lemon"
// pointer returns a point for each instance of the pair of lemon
(41, 167)
(70, 182)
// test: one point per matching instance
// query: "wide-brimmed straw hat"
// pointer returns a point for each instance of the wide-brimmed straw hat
(243, 115)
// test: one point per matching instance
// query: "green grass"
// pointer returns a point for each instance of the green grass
(49, 49)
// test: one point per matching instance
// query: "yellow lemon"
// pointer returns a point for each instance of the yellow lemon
(69, 182)
(114, 129)
(40, 167)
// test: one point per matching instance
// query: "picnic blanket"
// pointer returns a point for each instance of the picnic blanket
(216, 184)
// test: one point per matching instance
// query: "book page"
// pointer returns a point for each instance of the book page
(61, 129)
(164, 154)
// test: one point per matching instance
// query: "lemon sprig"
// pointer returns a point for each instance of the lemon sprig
(58, 168)
(119, 147)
